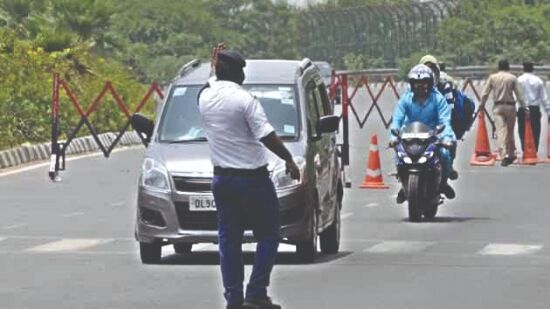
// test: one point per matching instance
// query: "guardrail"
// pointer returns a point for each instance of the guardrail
(471, 72)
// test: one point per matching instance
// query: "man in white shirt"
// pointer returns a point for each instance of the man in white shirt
(238, 133)
(535, 97)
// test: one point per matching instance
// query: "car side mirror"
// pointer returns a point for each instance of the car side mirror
(395, 132)
(328, 124)
(143, 126)
(439, 128)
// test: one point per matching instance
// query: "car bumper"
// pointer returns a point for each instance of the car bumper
(165, 218)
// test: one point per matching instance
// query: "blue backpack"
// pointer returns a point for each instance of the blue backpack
(462, 116)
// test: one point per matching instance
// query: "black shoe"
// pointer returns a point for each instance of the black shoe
(508, 160)
(453, 175)
(400, 199)
(448, 191)
(264, 303)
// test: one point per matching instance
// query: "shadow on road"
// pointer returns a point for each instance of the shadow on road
(452, 219)
(212, 258)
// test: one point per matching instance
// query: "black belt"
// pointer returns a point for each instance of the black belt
(224, 171)
(505, 103)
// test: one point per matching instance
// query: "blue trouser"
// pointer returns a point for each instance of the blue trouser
(242, 203)
(446, 162)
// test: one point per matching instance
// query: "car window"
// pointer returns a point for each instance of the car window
(181, 120)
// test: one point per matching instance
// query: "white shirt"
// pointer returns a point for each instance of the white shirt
(234, 121)
(534, 93)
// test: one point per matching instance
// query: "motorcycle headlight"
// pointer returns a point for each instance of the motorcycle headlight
(282, 180)
(154, 176)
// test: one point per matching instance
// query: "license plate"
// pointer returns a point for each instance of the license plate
(202, 203)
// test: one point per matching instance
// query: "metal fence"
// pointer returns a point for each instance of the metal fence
(383, 31)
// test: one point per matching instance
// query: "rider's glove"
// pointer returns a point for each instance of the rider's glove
(392, 143)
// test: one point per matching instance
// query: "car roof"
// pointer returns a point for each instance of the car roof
(256, 71)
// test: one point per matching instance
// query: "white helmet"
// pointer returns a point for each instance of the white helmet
(421, 72)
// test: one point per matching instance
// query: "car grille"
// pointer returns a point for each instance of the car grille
(192, 184)
(195, 220)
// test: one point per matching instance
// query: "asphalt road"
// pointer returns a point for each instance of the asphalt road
(70, 244)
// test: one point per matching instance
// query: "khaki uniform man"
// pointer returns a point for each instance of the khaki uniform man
(504, 85)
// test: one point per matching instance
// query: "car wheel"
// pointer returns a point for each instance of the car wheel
(330, 238)
(183, 248)
(307, 250)
(150, 253)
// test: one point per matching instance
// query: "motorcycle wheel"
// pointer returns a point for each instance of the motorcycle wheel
(415, 200)
(431, 211)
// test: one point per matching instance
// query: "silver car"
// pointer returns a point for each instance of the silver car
(175, 204)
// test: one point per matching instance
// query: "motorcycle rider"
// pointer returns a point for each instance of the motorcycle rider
(422, 102)
(446, 86)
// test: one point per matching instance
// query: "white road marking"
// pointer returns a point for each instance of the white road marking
(509, 249)
(14, 226)
(2, 238)
(346, 215)
(371, 205)
(119, 203)
(72, 214)
(66, 245)
(39, 165)
(399, 247)
(247, 247)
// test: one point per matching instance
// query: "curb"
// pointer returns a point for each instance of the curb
(39, 152)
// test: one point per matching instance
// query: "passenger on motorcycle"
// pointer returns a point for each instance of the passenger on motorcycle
(446, 86)
(423, 103)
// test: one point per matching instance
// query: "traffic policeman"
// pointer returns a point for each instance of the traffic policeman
(238, 134)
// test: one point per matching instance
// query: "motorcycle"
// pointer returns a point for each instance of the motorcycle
(419, 168)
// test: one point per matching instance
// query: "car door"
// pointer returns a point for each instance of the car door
(319, 151)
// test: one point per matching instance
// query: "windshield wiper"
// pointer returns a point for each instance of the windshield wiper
(196, 139)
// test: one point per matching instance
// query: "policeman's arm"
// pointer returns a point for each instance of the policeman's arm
(274, 143)
(263, 131)
(444, 113)
(485, 94)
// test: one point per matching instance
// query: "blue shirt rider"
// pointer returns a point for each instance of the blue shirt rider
(422, 102)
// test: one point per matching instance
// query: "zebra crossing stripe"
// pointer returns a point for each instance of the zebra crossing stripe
(509, 249)
(399, 247)
(67, 245)
(247, 247)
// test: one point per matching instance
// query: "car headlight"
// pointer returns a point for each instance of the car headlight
(282, 180)
(154, 176)
(422, 160)
(407, 160)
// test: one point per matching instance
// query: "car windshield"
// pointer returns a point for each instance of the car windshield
(181, 121)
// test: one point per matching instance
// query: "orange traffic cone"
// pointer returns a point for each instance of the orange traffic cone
(529, 151)
(482, 155)
(373, 179)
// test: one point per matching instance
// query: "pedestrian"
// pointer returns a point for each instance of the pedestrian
(238, 134)
(535, 96)
(504, 85)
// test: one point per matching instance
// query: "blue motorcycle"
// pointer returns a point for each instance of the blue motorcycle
(419, 168)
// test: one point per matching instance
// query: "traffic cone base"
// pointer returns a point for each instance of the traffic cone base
(373, 179)
(482, 160)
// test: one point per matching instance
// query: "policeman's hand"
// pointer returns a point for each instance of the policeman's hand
(447, 144)
(392, 143)
(215, 51)
(293, 169)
